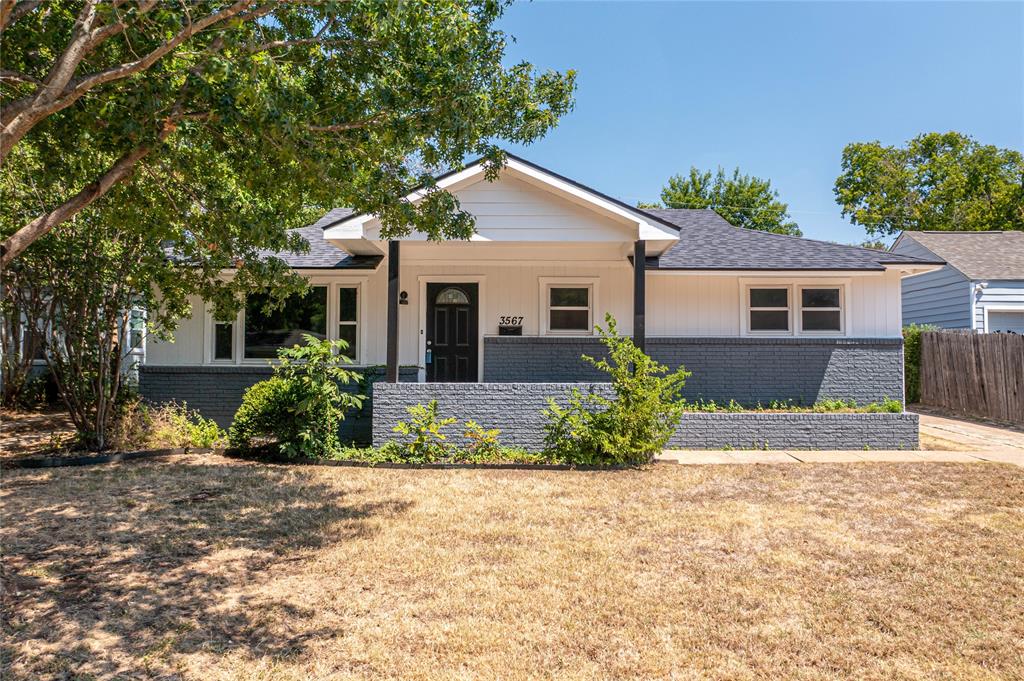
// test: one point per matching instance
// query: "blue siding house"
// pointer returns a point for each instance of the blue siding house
(981, 287)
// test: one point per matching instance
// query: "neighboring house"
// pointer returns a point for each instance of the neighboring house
(981, 287)
(755, 316)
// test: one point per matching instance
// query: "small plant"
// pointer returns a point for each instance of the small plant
(632, 427)
(302, 405)
(178, 426)
(427, 443)
(483, 442)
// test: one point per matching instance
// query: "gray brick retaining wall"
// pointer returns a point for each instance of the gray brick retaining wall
(216, 391)
(515, 408)
(748, 370)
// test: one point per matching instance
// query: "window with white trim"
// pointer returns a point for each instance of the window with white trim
(768, 309)
(821, 309)
(223, 341)
(270, 327)
(348, 320)
(570, 308)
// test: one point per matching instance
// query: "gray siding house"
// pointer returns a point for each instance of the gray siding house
(756, 317)
(981, 287)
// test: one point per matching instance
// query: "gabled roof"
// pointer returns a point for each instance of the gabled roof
(358, 231)
(978, 255)
(708, 242)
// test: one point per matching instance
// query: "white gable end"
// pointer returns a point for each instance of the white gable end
(525, 204)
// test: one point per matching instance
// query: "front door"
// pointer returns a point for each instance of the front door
(452, 347)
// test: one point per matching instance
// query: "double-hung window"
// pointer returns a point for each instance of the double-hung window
(821, 309)
(768, 309)
(348, 320)
(570, 309)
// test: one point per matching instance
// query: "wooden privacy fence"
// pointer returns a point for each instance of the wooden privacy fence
(976, 374)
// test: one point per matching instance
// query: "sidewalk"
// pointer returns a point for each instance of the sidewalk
(694, 456)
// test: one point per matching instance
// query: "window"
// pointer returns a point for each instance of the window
(452, 296)
(136, 328)
(821, 309)
(569, 309)
(223, 341)
(266, 330)
(348, 320)
(769, 310)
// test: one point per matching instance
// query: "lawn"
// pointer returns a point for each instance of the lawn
(207, 568)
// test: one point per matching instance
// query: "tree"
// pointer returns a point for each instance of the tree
(938, 181)
(743, 200)
(248, 117)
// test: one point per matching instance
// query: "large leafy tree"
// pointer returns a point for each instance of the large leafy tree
(246, 117)
(743, 200)
(938, 181)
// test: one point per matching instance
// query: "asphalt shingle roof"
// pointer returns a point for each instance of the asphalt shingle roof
(324, 255)
(979, 255)
(708, 242)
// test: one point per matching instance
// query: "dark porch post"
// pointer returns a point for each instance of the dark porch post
(639, 293)
(393, 265)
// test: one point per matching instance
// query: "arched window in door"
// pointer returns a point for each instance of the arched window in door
(452, 296)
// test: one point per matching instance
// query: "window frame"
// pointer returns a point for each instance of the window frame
(333, 286)
(747, 309)
(800, 288)
(545, 307)
(358, 323)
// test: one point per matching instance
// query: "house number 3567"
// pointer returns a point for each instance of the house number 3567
(510, 321)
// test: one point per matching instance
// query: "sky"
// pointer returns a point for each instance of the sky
(776, 88)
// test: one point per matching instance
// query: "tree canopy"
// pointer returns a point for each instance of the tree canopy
(228, 122)
(938, 181)
(743, 200)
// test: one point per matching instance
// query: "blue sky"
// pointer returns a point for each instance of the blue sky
(775, 88)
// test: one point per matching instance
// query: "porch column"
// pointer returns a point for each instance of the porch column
(393, 290)
(639, 293)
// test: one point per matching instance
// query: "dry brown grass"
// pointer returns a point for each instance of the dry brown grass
(210, 569)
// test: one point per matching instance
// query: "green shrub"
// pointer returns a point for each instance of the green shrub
(427, 443)
(483, 442)
(263, 415)
(632, 427)
(912, 360)
(302, 406)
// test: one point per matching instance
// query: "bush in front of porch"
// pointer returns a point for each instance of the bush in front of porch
(628, 429)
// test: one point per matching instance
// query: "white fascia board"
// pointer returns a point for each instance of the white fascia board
(355, 227)
(791, 274)
(646, 229)
(910, 270)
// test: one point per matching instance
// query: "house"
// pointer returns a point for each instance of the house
(981, 287)
(755, 316)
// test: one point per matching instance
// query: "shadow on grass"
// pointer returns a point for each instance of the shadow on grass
(148, 556)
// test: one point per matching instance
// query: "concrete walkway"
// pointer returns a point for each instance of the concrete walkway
(696, 456)
(943, 431)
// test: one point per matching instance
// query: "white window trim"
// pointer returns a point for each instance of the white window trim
(359, 322)
(544, 308)
(841, 309)
(985, 309)
(795, 285)
(333, 286)
(745, 307)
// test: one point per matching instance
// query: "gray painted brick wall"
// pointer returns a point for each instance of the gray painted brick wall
(216, 391)
(748, 370)
(515, 408)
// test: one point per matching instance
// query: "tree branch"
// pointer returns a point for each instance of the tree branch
(12, 10)
(22, 115)
(15, 77)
